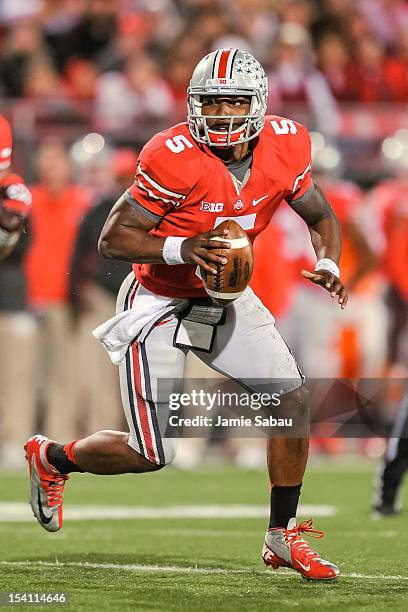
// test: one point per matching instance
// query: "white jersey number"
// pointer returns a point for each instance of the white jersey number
(247, 222)
(284, 126)
(178, 143)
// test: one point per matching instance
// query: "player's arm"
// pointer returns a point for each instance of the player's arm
(324, 228)
(126, 236)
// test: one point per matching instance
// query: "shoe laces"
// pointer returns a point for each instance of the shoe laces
(293, 537)
(55, 489)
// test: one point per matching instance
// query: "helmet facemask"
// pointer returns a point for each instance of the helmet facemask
(248, 126)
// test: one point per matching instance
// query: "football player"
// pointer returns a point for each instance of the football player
(227, 161)
(15, 198)
(393, 467)
(390, 198)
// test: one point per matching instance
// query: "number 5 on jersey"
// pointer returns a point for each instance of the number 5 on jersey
(178, 143)
(284, 126)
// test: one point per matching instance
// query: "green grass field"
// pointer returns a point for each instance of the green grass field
(203, 564)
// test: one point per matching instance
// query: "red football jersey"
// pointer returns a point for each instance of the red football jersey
(188, 190)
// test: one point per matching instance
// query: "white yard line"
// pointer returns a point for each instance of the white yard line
(179, 569)
(16, 511)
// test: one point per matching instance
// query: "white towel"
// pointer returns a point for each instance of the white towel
(118, 332)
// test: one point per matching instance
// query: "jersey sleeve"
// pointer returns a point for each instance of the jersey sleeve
(301, 187)
(160, 184)
(6, 143)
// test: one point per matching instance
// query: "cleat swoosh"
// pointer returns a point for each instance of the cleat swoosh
(44, 518)
(306, 568)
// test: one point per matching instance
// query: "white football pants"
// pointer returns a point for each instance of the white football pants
(247, 346)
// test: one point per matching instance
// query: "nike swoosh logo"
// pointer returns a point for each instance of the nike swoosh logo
(255, 202)
(44, 519)
(305, 567)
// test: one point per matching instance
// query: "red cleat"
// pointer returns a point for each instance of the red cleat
(287, 548)
(47, 484)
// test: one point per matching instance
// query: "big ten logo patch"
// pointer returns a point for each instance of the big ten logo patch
(214, 207)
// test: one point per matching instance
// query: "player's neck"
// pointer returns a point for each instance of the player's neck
(234, 153)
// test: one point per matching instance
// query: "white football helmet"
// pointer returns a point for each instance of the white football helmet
(228, 72)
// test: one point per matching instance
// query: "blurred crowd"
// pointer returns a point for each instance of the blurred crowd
(130, 61)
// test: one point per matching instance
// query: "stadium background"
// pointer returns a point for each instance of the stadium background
(85, 83)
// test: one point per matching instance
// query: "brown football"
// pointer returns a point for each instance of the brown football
(231, 279)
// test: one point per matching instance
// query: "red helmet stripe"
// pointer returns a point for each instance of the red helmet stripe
(222, 68)
(230, 63)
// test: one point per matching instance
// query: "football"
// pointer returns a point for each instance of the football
(232, 278)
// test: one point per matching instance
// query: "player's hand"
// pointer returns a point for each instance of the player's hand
(331, 283)
(200, 250)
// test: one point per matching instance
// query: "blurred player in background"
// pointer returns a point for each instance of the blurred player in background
(309, 324)
(388, 209)
(226, 161)
(15, 198)
(393, 467)
(300, 306)
(389, 200)
(94, 285)
(17, 327)
(58, 206)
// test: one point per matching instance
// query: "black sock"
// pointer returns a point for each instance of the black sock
(59, 460)
(284, 503)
